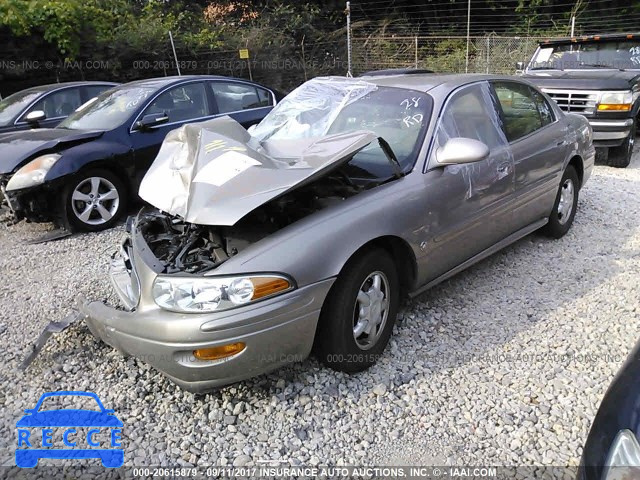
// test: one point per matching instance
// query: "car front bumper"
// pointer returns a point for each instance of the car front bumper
(35, 203)
(276, 331)
(610, 133)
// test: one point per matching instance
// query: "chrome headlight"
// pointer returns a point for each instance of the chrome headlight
(208, 294)
(33, 173)
(616, 101)
(623, 460)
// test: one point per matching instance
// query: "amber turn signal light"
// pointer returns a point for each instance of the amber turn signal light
(619, 107)
(216, 353)
(267, 286)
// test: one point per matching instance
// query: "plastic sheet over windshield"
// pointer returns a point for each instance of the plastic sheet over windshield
(326, 106)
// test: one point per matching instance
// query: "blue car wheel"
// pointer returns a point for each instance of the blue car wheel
(26, 459)
(112, 459)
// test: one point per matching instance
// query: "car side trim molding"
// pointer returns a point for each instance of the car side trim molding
(514, 237)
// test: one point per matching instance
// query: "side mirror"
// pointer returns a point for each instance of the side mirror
(35, 116)
(520, 66)
(152, 120)
(458, 151)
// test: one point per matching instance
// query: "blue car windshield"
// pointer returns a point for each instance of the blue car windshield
(110, 110)
(70, 402)
(16, 103)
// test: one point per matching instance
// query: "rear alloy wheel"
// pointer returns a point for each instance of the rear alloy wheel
(94, 201)
(564, 209)
(620, 157)
(358, 315)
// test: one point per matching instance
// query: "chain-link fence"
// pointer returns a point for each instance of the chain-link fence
(488, 54)
(282, 67)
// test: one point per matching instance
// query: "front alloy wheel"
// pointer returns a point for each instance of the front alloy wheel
(94, 201)
(359, 312)
(371, 310)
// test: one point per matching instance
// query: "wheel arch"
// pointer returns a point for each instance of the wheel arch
(577, 163)
(112, 167)
(402, 255)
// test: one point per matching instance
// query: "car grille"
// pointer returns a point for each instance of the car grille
(574, 101)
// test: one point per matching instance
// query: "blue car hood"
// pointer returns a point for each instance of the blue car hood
(17, 147)
(69, 418)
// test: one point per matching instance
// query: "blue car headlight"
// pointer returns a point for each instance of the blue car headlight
(623, 459)
(33, 173)
(209, 294)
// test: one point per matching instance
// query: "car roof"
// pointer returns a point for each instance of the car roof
(591, 38)
(159, 82)
(55, 86)
(426, 82)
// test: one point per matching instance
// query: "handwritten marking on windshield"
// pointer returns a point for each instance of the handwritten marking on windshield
(408, 103)
(412, 120)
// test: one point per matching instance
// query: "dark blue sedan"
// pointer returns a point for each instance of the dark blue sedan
(82, 173)
(46, 106)
(58, 433)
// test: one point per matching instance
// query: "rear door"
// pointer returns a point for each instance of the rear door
(467, 207)
(537, 140)
(246, 103)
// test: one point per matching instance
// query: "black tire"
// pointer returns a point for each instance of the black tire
(74, 209)
(620, 157)
(335, 344)
(561, 219)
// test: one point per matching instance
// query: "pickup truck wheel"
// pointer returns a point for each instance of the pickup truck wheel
(564, 208)
(359, 313)
(620, 157)
(94, 201)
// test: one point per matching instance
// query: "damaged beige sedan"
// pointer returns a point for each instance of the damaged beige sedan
(307, 231)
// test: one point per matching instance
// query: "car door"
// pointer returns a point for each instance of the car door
(468, 207)
(538, 142)
(183, 103)
(56, 105)
(246, 103)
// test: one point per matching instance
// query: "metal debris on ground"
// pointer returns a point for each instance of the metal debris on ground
(50, 329)
(56, 234)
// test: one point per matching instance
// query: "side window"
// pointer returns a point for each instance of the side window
(181, 103)
(545, 110)
(470, 113)
(59, 104)
(520, 109)
(233, 97)
(92, 91)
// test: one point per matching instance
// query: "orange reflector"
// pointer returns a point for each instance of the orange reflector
(216, 353)
(620, 107)
(597, 37)
(263, 287)
(629, 36)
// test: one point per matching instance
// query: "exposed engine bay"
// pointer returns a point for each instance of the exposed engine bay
(190, 248)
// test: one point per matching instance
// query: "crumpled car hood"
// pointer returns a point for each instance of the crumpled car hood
(214, 173)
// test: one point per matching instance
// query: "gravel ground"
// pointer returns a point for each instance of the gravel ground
(505, 364)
